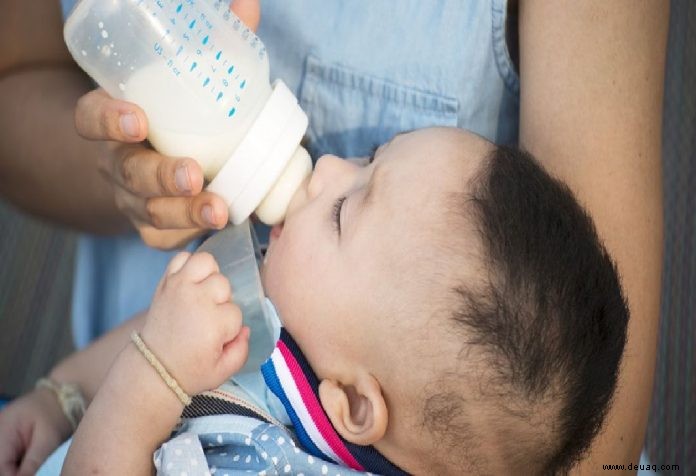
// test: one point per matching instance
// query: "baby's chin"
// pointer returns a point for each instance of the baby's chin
(276, 266)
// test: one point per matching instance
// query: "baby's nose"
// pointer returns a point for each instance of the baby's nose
(328, 170)
(310, 188)
(316, 180)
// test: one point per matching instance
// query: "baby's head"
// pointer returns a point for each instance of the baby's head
(455, 302)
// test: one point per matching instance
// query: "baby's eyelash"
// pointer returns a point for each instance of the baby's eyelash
(336, 215)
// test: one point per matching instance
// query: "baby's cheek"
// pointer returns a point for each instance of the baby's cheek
(272, 264)
(269, 280)
(277, 277)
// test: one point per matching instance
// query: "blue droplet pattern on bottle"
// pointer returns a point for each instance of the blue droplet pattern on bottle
(195, 50)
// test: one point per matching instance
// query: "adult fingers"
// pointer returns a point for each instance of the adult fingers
(147, 173)
(100, 117)
(205, 210)
(249, 11)
(8, 468)
(40, 448)
(133, 207)
(11, 449)
(167, 239)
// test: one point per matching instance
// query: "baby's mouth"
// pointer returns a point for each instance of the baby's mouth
(276, 231)
(273, 236)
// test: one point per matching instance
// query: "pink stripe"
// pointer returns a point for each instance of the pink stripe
(315, 410)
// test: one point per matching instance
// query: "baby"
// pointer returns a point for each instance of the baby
(446, 309)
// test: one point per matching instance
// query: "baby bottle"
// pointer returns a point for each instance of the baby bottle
(202, 79)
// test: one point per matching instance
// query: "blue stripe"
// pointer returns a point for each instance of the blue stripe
(271, 377)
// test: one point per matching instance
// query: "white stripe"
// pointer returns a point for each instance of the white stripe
(293, 395)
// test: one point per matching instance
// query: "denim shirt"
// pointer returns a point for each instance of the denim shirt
(363, 71)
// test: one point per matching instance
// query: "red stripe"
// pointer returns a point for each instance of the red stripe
(315, 410)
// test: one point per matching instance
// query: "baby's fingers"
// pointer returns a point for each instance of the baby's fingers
(173, 267)
(229, 322)
(199, 267)
(234, 354)
(178, 262)
(218, 288)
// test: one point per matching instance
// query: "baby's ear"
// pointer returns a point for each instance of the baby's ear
(357, 411)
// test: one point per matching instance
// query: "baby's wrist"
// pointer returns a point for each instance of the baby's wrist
(146, 384)
(156, 364)
(134, 396)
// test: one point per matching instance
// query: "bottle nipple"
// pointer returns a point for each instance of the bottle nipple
(274, 206)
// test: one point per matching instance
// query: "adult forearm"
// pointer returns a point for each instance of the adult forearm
(591, 111)
(88, 367)
(45, 167)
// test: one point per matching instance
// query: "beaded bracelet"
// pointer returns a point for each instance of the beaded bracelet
(71, 401)
(157, 365)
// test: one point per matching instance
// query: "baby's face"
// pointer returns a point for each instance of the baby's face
(356, 268)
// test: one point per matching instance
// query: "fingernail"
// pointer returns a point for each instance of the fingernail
(182, 179)
(130, 125)
(209, 215)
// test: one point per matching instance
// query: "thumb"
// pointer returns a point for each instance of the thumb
(235, 353)
(249, 11)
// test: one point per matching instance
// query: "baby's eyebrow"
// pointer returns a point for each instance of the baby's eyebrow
(407, 131)
(377, 147)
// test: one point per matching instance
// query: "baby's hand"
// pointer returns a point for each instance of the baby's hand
(193, 326)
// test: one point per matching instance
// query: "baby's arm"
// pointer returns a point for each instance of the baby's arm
(196, 331)
(88, 367)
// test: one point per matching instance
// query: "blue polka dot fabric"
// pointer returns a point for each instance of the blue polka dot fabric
(234, 445)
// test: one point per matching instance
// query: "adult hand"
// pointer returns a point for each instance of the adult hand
(31, 428)
(161, 196)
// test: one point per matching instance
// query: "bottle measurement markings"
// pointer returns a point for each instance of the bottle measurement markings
(199, 28)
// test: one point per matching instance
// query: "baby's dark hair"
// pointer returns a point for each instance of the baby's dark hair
(549, 319)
